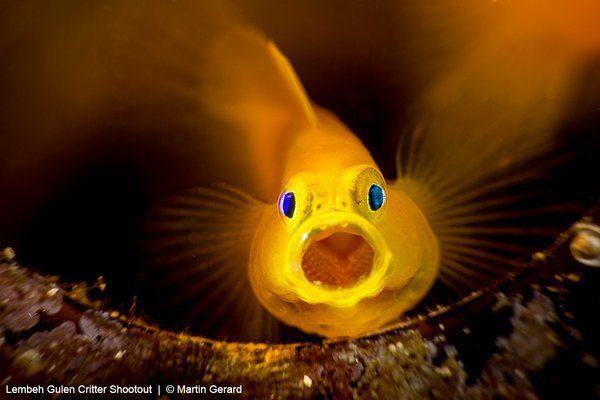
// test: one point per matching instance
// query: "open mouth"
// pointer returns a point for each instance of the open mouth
(337, 257)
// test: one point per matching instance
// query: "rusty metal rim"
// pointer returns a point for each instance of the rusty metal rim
(411, 323)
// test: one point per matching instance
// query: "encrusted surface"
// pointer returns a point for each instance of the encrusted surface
(531, 336)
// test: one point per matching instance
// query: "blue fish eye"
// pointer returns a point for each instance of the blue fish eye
(287, 204)
(376, 197)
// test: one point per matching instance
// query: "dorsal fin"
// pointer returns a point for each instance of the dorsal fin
(246, 73)
(294, 84)
(251, 87)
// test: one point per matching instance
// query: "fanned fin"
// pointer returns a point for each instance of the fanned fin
(487, 226)
(198, 248)
(479, 161)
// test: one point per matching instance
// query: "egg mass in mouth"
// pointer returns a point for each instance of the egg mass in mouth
(337, 257)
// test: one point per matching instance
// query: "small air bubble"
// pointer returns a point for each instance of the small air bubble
(307, 381)
(585, 245)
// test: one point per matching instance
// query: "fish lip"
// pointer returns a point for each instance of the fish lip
(342, 297)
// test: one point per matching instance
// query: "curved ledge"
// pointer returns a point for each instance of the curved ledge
(531, 334)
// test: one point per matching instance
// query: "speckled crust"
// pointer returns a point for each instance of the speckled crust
(531, 336)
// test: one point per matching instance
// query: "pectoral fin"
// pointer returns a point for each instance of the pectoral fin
(197, 247)
(481, 159)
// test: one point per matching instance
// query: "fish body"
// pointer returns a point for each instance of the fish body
(337, 266)
(333, 264)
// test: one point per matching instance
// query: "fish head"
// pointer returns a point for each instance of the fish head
(341, 253)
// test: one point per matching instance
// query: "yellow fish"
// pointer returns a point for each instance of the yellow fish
(341, 251)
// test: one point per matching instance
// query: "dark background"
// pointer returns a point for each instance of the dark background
(359, 59)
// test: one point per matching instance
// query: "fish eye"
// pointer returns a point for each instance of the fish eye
(287, 204)
(376, 197)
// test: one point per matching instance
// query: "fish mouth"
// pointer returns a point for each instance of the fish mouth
(337, 258)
